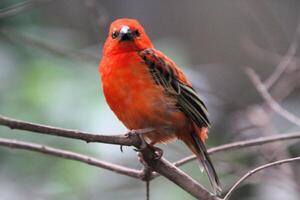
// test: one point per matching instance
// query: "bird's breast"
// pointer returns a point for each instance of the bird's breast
(132, 94)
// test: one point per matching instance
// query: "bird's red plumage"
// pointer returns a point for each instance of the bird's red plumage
(132, 94)
(138, 100)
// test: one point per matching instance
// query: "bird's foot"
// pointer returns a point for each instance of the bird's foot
(138, 132)
(157, 152)
(141, 131)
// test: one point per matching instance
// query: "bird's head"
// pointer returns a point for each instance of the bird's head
(126, 35)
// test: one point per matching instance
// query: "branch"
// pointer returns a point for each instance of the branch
(14, 36)
(242, 144)
(131, 140)
(286, 60)
(15, 9)
(68, 133)
(250, 173)
(159, 165)
(260, 87)
(177, 176)
(264, 55)
(71, 156)
(174, 174)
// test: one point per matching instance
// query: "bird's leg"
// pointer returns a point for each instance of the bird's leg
(157, 151)
(142, 131)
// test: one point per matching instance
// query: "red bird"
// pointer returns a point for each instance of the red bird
(145, 89)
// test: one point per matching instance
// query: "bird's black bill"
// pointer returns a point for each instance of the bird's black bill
(126, 34)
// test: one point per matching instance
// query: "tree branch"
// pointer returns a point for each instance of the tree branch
(264, 55)
(286, 60)
(260, 87)
(16, 8)
(177, 176)
(242, 144)
(159, 165)
(250, 173)
(174, 174)
(131, 140)
(68, 133)
(77, 55)
(71, 156)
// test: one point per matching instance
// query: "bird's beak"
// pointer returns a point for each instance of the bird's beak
(126, 34)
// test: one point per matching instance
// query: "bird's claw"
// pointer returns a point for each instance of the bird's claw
(140, 131)
(158, 153)
(129, 133)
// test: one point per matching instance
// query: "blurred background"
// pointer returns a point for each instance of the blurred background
(49, 55)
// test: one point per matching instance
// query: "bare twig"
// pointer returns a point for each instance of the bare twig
(161, 166)
(71, 156)
(68, 133)
(286, 60)
(168, 170)
(77, 55)
(266, 22)
(20, 7)
(148, 190)
(16, 8)
(125, 140)
(171, 172)
(250, 173)
(264, 55)
(268, 98)
(242, 144)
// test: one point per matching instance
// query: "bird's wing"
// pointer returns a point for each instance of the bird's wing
(166, 74)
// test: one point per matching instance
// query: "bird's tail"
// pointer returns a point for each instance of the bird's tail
(203, 158)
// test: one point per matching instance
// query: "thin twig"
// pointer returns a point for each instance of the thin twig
(71, 156)
(68, 133)
(269, 99)
(77, 55)
(286, 60)
(242, 144)
(123, 140)
(148, 190)
(20, 7)
(161, 166)
(264, 55)
(16, 8)
(181, 179)
(250, 173)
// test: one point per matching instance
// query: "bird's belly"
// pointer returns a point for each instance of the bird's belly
(139, 103)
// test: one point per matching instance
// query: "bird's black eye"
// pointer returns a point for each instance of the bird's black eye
(115, 34)
(137, 33)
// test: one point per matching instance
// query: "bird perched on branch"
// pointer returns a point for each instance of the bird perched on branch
(145, 89)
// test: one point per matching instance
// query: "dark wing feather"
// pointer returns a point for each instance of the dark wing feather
(164, 75)
(175, 85)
